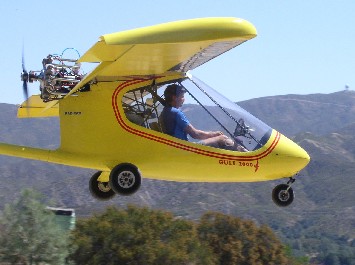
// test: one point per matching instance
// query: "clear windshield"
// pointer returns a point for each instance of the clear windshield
(204, 108)
(233, 120)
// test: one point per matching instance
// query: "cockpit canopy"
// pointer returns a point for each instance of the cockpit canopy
(204, 107)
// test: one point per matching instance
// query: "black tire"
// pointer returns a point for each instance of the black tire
(125, 179)
(281, 196)
(100, 190)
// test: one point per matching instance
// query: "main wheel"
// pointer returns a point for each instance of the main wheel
(125, 179)
(100, 190)
(282, 195)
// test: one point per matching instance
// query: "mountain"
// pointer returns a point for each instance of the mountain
(317, 113)
(323, 124)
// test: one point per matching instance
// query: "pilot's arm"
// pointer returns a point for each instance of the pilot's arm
(199, 134)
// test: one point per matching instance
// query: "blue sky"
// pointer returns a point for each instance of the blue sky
(302, 47)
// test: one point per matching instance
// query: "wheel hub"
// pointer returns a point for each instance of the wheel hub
(104, 187)
(284, 195)
(126, 179)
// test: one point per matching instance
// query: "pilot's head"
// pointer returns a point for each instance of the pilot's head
(172, 92)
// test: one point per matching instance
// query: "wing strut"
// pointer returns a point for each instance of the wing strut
(88, 77)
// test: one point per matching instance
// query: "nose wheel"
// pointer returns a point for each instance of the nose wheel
(282, 194)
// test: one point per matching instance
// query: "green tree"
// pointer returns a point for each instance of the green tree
(332, 259)
(29, 234)
(236, 241)
(137, 236)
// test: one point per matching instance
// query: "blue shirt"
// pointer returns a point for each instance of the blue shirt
(174, 122)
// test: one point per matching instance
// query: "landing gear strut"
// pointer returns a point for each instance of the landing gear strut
(124, 179)
(282, 194)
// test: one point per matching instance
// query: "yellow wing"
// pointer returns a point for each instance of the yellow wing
(176, 46)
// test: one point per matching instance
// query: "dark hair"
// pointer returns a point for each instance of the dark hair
(173, 90)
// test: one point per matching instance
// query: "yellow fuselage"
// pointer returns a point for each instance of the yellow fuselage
(96, 134)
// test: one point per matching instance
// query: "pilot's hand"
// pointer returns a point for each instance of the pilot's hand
(216, 133)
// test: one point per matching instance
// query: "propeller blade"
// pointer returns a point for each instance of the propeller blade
(25, 89)
(24, 76)
(23, 61)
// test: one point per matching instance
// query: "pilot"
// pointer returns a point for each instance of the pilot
(175, 123)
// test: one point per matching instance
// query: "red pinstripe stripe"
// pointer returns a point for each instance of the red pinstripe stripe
(161, 140)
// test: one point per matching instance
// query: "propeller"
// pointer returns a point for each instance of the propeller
(24, 77)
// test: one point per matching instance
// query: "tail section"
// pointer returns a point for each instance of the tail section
(34, 107)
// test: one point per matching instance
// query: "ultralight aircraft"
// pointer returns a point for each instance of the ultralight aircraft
(110, 117)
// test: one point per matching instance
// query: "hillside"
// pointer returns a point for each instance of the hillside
(324, 203)
(317, 113)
